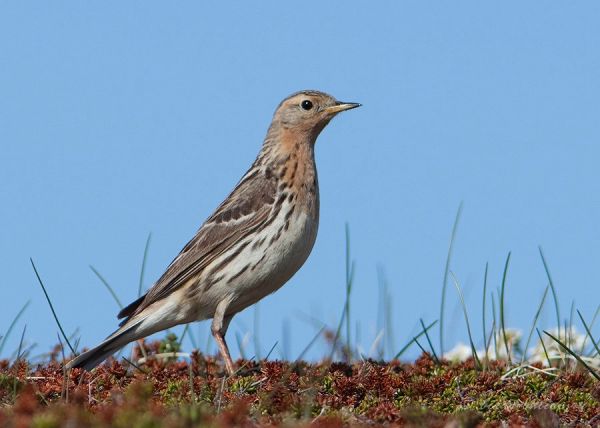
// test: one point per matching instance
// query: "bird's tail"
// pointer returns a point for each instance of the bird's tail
(90, 359)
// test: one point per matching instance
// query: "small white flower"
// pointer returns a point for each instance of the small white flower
(572, 338)
(460, 352)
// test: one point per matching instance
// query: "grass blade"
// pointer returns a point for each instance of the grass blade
(346, 312)
(240, 344)
(413, 340)
(544, 348)
(577, 357)
(381, 317)
(435, 357)
(446, 271)
(485, 344)
(569, 332)
(185, 331)
(15, 383)
(533, 324)
(77, 343)
(134, 365)
(285, 339)
(389, 325)
(108, 287)
(12, 326)
(554, 295)
(565, 338)
(143, 268)
(587, 329)
(494, 323)
(464, 308)
(489, 342)
(349, 280)
(51, 306)
(21, 342)
(255, 336)
(310, 344)
(502, 317)
(193, 339)
(591, 327)
(271, 351)
(62, 347)
(419, 345)
(191, 384)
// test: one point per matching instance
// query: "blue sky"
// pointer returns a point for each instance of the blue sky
(119, 119)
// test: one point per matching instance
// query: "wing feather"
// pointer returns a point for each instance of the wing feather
(242, 213)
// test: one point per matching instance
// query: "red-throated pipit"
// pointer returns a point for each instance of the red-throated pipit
(253, 243)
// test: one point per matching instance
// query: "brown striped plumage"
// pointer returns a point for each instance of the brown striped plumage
(253, 243)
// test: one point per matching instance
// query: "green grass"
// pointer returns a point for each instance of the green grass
(62, 331)
(553, 356)
(6, 335)
(464, 308)
(349, 351)
(446, 273)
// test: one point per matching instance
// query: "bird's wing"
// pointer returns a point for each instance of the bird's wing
(245, 211)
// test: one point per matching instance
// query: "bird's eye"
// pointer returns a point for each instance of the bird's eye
(307, 105)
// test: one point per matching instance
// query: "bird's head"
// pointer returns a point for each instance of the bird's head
(308, 112)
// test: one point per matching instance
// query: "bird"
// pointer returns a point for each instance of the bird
(253, 243)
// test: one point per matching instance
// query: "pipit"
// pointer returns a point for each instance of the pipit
(253, 243)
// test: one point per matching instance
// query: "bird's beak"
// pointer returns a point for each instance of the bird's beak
(341, 106)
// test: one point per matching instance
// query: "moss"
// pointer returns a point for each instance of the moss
(585, 398)
(536, 384)
(9, 386)
(403, 402)
(275, 393)
(466, 378)
(559, 408)
(131, 419)
(467, 418)
(174, 391)
(366, 403)
(419, 416)
(170, 344)
(327, 384)
(307, 409)
(139, 392)
(45, 420)
(245, 385)
(206, 394)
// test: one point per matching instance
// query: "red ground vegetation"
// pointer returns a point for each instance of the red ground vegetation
(274, 393)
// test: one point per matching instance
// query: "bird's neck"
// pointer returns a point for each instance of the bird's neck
(283, 144)
(290, 157)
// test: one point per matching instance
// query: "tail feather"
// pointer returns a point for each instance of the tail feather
(90, 359)
(149, 321)
(128, 310)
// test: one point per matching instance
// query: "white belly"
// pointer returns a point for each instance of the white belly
(263, 268)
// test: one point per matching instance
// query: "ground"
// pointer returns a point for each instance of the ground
(196, 392)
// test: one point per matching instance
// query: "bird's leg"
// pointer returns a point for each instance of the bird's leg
(219, 328)
(219, 335)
